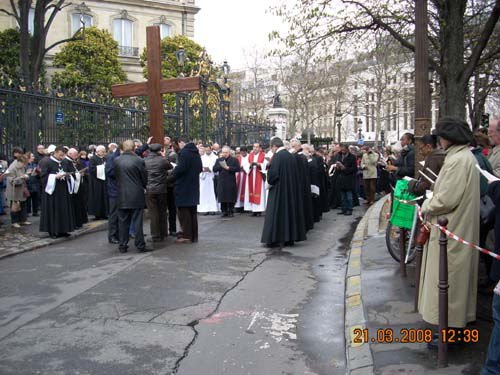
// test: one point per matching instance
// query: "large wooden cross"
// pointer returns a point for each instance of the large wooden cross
(155, 86)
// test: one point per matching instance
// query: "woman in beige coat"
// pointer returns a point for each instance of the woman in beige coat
(369, 166)
(15, 192)
(456, 197)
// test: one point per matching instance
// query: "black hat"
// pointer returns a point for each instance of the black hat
(155, 147)
(244, 148)
(454, 130)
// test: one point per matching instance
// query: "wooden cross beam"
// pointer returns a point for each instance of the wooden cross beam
(155, 86)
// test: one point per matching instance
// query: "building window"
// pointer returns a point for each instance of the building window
(78, 20)
(123, 34)
(31, 21)
(165, 30)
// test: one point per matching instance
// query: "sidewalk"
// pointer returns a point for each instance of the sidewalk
(16, 241)
(378, 298)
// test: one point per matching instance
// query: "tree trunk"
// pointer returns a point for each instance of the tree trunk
(24, 42)
(451, 16)
(379, 120)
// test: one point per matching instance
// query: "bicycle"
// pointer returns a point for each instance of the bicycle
(393, 241)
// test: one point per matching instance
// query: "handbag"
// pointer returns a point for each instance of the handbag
(15, 206)
(423, 235)
(26, 193)
(487, 210)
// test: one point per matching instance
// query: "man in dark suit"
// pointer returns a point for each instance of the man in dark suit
(131, 178)
(187, 190)
(227, 190)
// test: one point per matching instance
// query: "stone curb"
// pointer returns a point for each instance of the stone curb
(92, 227)
(359, 356)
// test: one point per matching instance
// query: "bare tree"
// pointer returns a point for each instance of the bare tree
(456, 52)
(33, 46)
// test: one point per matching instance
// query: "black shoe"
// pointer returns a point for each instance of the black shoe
(35, 214)
(114, 241)
(63, 235)
(145, 250)
(341, 212)
(172, 233)
(122, 250)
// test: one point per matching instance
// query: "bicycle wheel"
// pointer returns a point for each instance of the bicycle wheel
(392, 241)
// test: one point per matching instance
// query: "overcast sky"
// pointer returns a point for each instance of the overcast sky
(226, 28)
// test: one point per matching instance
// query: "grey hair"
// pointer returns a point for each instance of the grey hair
(100, 148)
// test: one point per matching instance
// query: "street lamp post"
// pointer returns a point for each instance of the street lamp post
(360, 129)
(338, 117)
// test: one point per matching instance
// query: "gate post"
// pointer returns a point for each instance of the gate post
(443, 294)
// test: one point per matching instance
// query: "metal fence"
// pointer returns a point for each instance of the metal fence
(28, 119)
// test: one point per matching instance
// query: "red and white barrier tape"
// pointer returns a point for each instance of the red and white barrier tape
(448, 232)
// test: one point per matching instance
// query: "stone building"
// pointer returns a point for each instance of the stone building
(126, 20)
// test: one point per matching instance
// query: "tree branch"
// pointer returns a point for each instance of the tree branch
(385, 26)
(15, 13)
(57, 7)
(8, 13)
(73, 39)
(486, 33)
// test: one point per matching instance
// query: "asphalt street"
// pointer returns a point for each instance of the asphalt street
(221, 306)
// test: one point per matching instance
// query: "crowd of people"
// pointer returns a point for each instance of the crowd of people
(293, 184)
(67, 185)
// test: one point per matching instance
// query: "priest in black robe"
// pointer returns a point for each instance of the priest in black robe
(284, 221)
(227, 189)
(334, 197)
(79, 195)
(303, 169)
(323, 178)
(98, 193)
(315, 176)
(57, 216)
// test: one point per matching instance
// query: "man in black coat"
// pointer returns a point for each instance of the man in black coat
(113, 231)
(187, 189)
(98, 193)
(284, 222)
(157, 167)
(305, 185)
(347, 168)
(227, 189)
(131, 178)
(404, 166)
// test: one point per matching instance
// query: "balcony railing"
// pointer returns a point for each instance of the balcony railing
(128, 51)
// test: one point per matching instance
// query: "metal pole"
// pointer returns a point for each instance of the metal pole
(419, 249)
(402, 248)
(443, 294)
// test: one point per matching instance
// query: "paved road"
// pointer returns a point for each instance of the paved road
(221, 306)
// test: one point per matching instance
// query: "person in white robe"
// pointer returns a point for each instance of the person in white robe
(241, 178)
(255, 191)
(208, 201)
